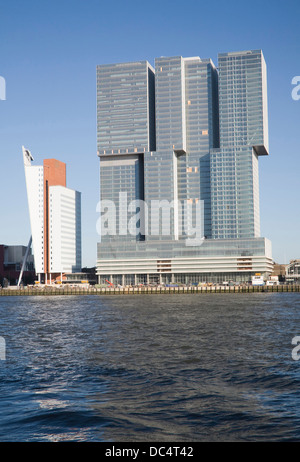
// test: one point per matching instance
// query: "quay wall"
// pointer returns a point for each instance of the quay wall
(146, 290)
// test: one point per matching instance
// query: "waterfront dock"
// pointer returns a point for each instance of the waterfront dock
(48, 291)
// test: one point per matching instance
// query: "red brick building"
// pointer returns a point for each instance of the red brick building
(11, 259)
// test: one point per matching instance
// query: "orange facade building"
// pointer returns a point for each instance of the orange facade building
(55, 218)
(54, 175)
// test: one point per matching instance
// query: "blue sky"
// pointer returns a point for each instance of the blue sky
(48, 56)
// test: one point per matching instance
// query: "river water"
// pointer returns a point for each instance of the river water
(206, 367)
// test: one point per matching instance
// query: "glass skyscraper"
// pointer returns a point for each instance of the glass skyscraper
(175, 142)
(243, 137)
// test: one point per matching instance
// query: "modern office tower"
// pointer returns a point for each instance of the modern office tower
(55, 218)
(126, 130)
(65, 235)
(176, 144)
(243, 138)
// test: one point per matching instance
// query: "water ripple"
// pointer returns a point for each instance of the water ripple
(150, 368)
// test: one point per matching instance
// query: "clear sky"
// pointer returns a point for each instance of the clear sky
(48, 56)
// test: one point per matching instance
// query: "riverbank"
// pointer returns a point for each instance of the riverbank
(146, 290)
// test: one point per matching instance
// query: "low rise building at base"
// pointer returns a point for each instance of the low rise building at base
(168, 262)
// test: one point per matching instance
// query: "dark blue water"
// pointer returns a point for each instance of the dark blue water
(215, 367)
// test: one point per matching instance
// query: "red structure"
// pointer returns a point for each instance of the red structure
(54, 175)
(10, 269)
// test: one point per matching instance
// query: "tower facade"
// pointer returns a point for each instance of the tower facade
(243, 138)
(55, 218)
(178, 143)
